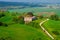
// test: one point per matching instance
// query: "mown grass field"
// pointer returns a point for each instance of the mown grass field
(54, 28)
(20, 31)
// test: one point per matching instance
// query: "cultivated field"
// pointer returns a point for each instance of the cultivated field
(37, 10)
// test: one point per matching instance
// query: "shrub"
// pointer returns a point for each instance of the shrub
(54, 17)
(6, 25)
(5, 38)
(56, 32)
(15, 19)
(1, 23)
(2, 39)
(2, 15)
(40, 17)
(19, 19)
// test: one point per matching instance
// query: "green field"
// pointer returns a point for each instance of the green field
(36, 10)
(17, 31)
(20, 31)
(54, 28)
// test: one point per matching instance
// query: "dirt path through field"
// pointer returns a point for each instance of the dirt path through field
(45, 29)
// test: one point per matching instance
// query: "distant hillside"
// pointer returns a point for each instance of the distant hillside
(3, 4)
(13, 4)
(39, 4)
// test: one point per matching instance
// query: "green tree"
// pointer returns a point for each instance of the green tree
(2, 14)
(54, 17)
(30, 13)
(21, 19)
(40, 16)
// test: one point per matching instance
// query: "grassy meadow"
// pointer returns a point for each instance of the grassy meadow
(21, 32)
(54, 28)
(17, 31)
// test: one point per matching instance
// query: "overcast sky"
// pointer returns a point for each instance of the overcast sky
(32, 0)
